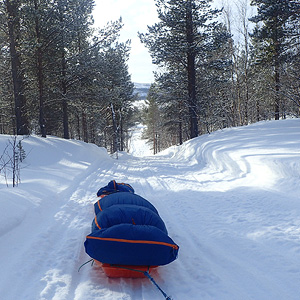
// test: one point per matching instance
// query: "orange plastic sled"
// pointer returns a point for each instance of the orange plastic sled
(125, 271)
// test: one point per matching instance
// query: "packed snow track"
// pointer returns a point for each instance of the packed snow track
(230, 200)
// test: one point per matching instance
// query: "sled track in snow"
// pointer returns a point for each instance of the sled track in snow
(230, 200)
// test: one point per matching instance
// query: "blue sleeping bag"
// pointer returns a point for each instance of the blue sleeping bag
(127, 244)
(127, 230)
(127, 214)
(122, 198)
(114, 187)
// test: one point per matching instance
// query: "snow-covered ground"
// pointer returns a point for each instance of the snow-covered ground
(138, 146)
(230, 200)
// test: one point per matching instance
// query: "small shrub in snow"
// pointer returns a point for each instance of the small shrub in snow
(10, 161)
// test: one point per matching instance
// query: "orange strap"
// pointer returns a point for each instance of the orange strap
(98, 202)
(96, 222)
(133, 241)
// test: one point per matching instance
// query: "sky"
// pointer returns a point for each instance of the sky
(136, 15)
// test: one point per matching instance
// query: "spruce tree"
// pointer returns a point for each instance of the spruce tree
(65, 73)
(13, 15)
(118, 91)
(153, 120)
(180, 38)
(7, 119)
(273, 32)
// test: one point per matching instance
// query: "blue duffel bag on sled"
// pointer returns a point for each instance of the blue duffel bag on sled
(128, 234)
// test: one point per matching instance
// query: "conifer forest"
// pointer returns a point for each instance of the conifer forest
(62, 76)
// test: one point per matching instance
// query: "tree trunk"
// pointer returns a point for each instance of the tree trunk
(84, 127)
(65, 104)
(63, 79)
(246, 74)
(121, 133)
(40, 75)
(277, 88)
(154, 141)
(180, 136)
(78, 125)
(93, 132)
(276, 70)
(17, 73)
(191, 73)
(115, 129)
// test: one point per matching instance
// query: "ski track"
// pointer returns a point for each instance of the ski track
(232, 234)
(208, 253)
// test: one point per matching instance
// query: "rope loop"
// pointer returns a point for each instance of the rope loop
(91, 260)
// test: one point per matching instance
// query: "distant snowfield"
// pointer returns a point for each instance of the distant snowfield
(138, 146)
(230, 200)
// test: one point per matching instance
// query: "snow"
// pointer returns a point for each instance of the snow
(137, 145)
(230, 200)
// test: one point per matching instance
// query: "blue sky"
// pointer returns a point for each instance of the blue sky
(136, 15)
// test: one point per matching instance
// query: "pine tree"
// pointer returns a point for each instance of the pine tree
(153, 120)
(13, 11)
(180, 38)
(66, 73)
(117, 94)
(7, 119)
(274, 35)
(173, 101)
(35, 21)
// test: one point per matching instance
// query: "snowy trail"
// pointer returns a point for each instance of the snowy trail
(48, 246)
(229, 199)
(219, 251)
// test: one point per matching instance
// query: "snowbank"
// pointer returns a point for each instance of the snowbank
(229, 199)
